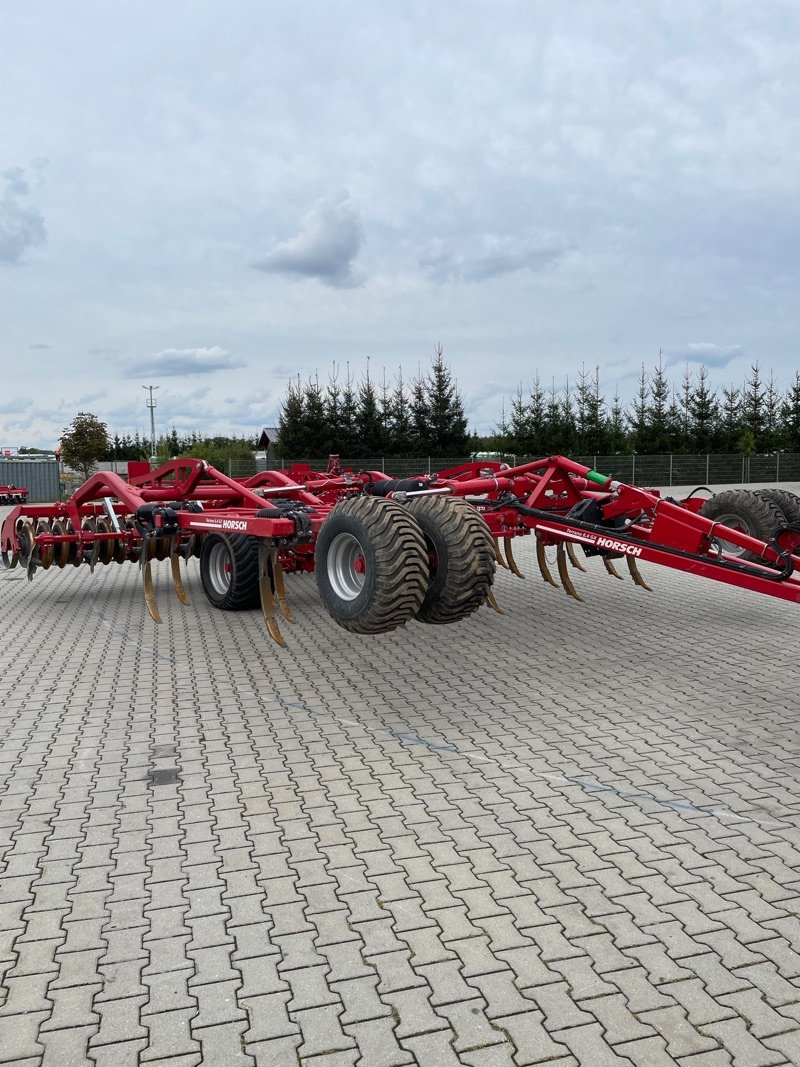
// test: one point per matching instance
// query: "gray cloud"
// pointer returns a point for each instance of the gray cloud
(39, 346)
(704, 353)
(445, 260)
(175, 362)
(15, 405)
(101, 351)
(328, 242)
(21, 227)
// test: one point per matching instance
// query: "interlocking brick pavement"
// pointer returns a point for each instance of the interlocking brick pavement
(564, 835)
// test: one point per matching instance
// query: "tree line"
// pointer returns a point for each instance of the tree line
(423, 417)
(427, 417)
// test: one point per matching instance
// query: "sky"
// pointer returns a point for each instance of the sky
(214, 198)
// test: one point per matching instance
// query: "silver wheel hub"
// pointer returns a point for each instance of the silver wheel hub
(346, 566)
(219, 568)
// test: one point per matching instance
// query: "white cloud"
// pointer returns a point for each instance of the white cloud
(326, 246)
(170, 362)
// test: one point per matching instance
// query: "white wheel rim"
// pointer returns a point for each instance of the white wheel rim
(219, 568)
(346, 580)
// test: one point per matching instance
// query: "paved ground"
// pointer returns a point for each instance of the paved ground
(565, 835)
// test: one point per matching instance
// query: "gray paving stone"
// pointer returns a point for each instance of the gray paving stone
(319, 853)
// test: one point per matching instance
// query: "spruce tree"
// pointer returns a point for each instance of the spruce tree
(730, 422)
(790, 415)
(420, 415)
(368, 420)
(446, 419)
(704, 414)
(752, 405)
(639, 417)
(400, 424)
(333, 412)
(349, 431)
(772, 414)
(291, 440)
(315, 430)
(616, 436)
(520, 424)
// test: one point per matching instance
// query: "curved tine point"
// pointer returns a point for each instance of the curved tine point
(576, 563)
(563, 571)
(490, 600)
(612, 570)
(498, 555)
(175, 564)
(31, 568)
(149, 593)
(265, 591)
(636, 575)
(541, 559)
(94, 555)
(280, 586)
(512, 563)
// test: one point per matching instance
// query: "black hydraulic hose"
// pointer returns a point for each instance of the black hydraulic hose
(728, 565)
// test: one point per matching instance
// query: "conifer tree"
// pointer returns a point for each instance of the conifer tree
(368, 421)
(520, 424)
(752, 404)
(349, 428)
(420, 415)
(401, 433)
(703, 414)
(772, 414)
(291, 439)
(639, 416)
(616, 435)
(333, 411)
(446, 419)
(790, 415)
(730, 422)
(315, 430)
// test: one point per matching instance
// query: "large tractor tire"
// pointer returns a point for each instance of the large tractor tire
(229, 571)
(461, 560)
(789, 503)
(371, 565)
(747, 512)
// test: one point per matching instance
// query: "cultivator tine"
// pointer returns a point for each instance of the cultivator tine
(612, 570)
(636, 574)
(576, 563)
(498, 557)
(563, 571)
(175, 564)
(541, 559)
(280, 585)
(149, 590)
(492, 603)
(512, 563)
(265, 589)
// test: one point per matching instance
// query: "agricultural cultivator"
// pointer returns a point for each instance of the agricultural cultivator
(387, 550)
(13, 494)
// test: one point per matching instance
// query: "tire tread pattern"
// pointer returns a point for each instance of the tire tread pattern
(400, 574)
(469, 567)
(243, 593)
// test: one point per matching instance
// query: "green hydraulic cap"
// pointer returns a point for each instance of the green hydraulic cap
(596, 476)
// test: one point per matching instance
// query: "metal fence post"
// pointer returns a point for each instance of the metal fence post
(670, 468)
(708, 468)
(777, 466)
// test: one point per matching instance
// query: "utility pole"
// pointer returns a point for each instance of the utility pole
(152, 404)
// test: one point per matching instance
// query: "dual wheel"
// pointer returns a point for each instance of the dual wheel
(378, 564)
